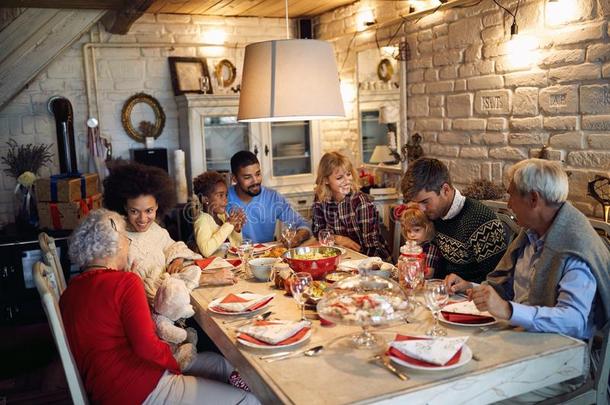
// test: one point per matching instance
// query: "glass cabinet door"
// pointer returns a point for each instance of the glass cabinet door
(373, 133)
(223, 137)
(291, 148)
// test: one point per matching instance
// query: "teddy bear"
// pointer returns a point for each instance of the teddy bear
(172, 303)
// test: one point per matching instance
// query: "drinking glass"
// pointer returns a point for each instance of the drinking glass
(300, 283)
(326, 237)
(289, 231)
(244, 251)
(436, 296)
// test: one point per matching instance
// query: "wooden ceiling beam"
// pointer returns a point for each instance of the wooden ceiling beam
(83, 4)
(120, 21)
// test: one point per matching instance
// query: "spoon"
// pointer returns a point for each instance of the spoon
(261, 317)
(308, 353)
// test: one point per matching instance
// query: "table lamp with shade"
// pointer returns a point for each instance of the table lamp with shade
(382, 154)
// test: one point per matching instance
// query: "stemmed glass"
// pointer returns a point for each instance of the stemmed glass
(326, 237)
(300, 283)
(436, 295)
(289, 231)
(244, 251)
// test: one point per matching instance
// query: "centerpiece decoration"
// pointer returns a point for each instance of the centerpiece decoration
(24, 162)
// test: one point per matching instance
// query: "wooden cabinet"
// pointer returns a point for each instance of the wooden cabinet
(288, 152)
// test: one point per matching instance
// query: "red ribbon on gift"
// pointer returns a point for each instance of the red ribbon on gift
(55, 216)
(86, 205)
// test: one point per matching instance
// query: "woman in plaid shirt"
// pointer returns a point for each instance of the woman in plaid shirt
(340, 207)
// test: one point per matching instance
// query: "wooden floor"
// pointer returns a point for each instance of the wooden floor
(30, 369)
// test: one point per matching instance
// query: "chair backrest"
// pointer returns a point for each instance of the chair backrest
(50, 304)
(51, 259)
(600, 363)
(511, 228)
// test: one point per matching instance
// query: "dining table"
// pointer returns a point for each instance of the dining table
(507, 361)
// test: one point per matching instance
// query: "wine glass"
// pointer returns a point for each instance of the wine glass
(244, 250)
(289, 231)
(326, 237)
(436, 296)
(300, 283)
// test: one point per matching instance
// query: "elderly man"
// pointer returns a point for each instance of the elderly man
(263, 206)
(469, 235)
(554, 275)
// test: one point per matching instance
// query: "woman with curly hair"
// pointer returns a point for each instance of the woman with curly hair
(142, 193)
(340, 207)
(213, 226)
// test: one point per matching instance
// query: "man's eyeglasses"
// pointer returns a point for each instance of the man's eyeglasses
(113, 224)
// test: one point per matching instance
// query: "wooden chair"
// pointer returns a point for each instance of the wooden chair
(51, 259)
(50, 303)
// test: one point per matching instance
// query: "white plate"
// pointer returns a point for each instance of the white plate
(271, 347)
(472, 325)
(256, 250)
(465, 357)
(215, 302)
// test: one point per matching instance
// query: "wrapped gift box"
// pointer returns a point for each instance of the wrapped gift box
(67, 188)
(66, 215)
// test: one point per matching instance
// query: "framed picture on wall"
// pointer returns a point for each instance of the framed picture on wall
(190, 75)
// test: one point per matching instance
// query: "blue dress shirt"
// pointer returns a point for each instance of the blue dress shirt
(263, 211)
(572, 315)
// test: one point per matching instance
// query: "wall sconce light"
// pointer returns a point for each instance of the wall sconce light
(214, 36)
(560, 11)
(365, 19)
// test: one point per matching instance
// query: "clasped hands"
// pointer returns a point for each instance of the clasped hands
(484, 296)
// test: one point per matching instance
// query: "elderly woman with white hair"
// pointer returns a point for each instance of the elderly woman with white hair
(554, 275)
(112, 335)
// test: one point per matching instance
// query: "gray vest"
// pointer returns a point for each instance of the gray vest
(570, 234)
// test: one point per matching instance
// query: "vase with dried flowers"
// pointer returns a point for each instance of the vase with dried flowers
(24, 162)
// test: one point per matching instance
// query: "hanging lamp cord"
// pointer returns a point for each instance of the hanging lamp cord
(287, 30)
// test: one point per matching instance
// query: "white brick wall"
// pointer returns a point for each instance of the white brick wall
(497, 111)
(121, 73)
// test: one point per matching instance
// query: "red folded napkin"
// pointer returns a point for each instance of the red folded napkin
(203, 263)
(469, 319)
(292, 339)
(231, 298)
(234, 262)
(259, 246)
(400, 355)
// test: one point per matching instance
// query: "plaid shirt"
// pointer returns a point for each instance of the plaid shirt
(354, 217)
(434, 259)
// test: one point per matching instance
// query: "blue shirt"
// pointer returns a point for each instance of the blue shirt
(263, 211)
(572, 315)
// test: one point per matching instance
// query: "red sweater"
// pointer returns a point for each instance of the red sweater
(112, 337)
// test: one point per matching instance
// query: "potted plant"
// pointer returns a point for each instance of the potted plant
(24, 162)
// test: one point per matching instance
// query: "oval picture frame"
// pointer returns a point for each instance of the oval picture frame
(128, 107)
(385, 70)
(223, 69)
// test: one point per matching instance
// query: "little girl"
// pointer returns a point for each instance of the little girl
(417, 227)
(213, 227)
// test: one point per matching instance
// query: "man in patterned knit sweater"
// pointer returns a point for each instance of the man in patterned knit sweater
(468, 234)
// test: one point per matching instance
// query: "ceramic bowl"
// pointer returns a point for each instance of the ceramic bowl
(261, 267)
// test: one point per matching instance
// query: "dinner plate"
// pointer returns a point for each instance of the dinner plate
(257, 250)
(465, 357)
(271, 347)
(472, 325)
(217, 301)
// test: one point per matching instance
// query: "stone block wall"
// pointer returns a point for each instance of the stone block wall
(481, 104)
(121, 72)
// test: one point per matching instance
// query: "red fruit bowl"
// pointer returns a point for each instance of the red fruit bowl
(316, 261)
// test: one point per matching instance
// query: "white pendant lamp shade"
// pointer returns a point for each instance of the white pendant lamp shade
(290, 80)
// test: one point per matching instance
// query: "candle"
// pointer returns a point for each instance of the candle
(180, 177)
